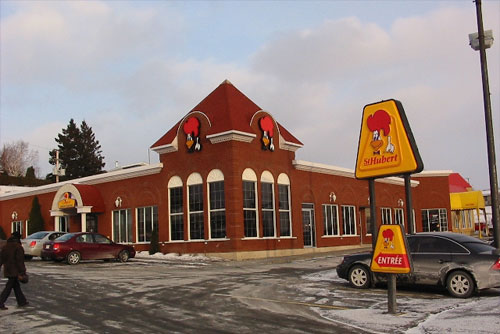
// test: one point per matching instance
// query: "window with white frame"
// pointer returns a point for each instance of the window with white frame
(386, 216)
(284, 205)
(122, 226)
(330, 219)
(250, 213)
(268, 214)
(434, 220)
(399, 216)
(176, 208)
(17, 226)
(217, 204)
(195, 206)
(63, 224)
(147, 221)
(349, 219)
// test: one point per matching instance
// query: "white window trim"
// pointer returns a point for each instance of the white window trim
(193, 179)
(401, 213)
(355, 219)
(215, 175)
(284, 180)
(384, 212)
(268, 178)
(137, 222)
(329, 206)
(174, 182)
(113, 225)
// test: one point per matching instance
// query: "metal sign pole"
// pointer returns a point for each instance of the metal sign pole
(373, 212)
(392, 306)
(409, 205)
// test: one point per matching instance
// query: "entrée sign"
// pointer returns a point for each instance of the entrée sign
(390, 255)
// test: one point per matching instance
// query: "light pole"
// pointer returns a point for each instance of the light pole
(483, 44)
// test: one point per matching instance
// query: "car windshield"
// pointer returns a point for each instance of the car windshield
(37, 235)
(65, 237)
(479, 247)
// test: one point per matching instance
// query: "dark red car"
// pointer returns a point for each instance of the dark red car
(73, 247)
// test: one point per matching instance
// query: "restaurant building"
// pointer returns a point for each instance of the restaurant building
(228, 184)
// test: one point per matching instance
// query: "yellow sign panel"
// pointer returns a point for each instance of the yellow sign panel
(386, 145)
(390, 255)
(66, 202)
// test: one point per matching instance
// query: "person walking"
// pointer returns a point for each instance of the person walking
(12, 259)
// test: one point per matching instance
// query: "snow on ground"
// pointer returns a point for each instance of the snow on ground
(479, 315)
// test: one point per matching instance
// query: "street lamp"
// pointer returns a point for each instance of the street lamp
(484, 41)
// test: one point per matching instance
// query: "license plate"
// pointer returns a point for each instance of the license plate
(47, 246)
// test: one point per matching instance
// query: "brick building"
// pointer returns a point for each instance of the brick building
(228, 183)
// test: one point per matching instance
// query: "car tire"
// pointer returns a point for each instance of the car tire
(123, 256)
(359, 277)
(73, 257)
(460, 284)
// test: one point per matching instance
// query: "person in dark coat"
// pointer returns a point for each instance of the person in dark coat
(12, 260)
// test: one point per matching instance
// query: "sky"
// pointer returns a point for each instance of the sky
(132, 69)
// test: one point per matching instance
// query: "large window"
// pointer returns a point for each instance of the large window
(284, 205)
(17, 226)
(122, 226)
(268, 214)
(147, 221)
(176, 208)
(250, 213)
(330, 219)
(386, 216)
(217, 204)
(349, 219)
(399, 216)
(434, 220)
(195, 196)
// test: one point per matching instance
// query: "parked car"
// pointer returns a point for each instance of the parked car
(461, 263)
(33, 243)
(73, 247)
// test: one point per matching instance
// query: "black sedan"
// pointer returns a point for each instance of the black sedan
(74, 247)
(461, 263)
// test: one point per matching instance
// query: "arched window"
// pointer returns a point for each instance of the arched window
(250, 213)
(216, 204)
(284, 205)
(176, 208)
(195, 207)
(267, 204)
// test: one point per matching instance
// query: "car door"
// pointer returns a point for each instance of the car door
(431, 255)
(86, 246)
(105, 247)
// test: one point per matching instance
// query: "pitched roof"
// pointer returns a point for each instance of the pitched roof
(227, 109)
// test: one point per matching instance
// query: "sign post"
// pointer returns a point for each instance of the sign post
(387, 148)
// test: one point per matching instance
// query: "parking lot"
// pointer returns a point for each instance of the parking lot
(202, 295)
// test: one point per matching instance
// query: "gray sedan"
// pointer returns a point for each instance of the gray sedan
(33, 243)
(460, 263)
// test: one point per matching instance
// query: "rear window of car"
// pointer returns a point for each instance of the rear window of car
(37, 235)
(479, 247)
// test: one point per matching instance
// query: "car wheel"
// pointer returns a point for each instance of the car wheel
(123, 256)
(460, 284)
(28, 257)
(73, 257)
(359, 277)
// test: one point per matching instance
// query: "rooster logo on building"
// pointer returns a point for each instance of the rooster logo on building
(378, 122)
(267, 127)
(192, 130)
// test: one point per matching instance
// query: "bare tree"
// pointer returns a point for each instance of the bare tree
(16, 158)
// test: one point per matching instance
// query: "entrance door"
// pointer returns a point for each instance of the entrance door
(308, 225)
(91, 223)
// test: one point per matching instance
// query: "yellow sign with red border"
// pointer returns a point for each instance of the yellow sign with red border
(386, 145)
(390, 254)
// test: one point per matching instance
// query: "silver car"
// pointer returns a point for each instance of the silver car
(33, 243)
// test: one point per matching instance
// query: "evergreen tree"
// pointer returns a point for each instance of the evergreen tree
(79, 151)
(36, 222)
(30, 173)
(154, 245)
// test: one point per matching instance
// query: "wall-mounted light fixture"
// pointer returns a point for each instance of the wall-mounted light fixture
(118, 202)
(400, 202)
(14, 215)
(333, 197)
